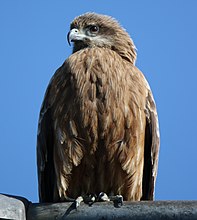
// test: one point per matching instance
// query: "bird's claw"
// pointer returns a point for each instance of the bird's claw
(102, 197)
(74, 206)
(117, 200)
(78, 201)
(90, 199)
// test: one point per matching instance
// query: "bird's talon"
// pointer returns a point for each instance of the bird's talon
(89, 199)
(78, 201)
(92, 200)
(103, 197)
(118, 201)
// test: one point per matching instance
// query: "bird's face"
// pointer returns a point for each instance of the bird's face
(89, 30)
(95, 30)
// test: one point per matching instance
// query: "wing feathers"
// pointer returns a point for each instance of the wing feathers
(151, 149)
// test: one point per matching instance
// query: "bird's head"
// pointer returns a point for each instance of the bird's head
(95, 30)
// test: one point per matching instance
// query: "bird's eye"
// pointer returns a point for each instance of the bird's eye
(93, 29)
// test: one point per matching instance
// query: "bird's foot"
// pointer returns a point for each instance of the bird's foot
(74, 206)
(89, 199)
(117, 200)
(103, 197)
(78, 201)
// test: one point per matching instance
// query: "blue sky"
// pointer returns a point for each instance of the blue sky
(33, 45)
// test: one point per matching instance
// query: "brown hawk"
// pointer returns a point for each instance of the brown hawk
(98, 126)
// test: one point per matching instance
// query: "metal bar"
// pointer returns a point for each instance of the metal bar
(144, 210)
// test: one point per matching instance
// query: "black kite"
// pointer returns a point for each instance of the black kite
(98, 126)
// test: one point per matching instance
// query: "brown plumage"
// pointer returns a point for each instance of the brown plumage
(98, 126)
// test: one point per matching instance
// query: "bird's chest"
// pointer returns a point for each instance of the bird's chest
(99, 85)
(100, 94)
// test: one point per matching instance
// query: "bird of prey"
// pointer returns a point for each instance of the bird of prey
(98, 125)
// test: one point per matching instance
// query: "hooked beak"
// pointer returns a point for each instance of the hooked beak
(74, 35)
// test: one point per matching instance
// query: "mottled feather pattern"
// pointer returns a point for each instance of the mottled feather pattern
(97, 122)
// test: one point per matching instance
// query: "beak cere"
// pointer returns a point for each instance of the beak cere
(74, 35)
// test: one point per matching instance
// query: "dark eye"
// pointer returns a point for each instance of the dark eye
(94, 29)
